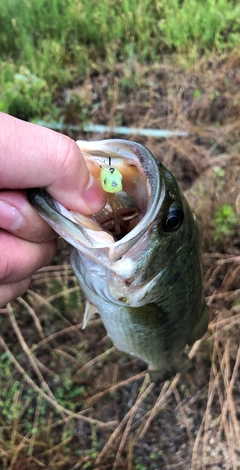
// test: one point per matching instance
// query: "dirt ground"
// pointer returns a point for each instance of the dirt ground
(70, 401)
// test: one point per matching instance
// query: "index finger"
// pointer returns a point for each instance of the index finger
(34, 156)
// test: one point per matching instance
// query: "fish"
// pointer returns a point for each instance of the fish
(138, 261)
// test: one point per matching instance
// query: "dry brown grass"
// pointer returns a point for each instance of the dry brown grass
(116, 418)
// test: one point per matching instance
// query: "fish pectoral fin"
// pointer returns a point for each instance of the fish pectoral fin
(90, 309)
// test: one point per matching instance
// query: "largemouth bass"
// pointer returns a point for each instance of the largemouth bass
(138, 261)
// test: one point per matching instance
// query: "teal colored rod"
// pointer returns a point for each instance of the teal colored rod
(162, 133)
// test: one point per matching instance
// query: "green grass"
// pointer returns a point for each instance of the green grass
(60, 40)
(225, 221)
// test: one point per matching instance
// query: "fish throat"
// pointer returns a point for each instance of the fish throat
(119, 216)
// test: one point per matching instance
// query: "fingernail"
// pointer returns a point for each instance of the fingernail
(94, 195)
(10, 218)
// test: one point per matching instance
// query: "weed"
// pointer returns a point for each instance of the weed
(25, 95)
(197, 94)
(215, 24)
(219, 172)
(225, 221)
(139, 466)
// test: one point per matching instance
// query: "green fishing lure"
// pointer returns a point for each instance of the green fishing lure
(110, 178)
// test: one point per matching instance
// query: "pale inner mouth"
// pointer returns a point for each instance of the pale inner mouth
(124, 209)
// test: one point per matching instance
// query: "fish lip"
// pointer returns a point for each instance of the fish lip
(86, 240)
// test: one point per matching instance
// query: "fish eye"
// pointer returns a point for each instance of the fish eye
(173, 220)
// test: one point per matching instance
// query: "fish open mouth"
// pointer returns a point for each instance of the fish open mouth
(127, 215)
(126, 208)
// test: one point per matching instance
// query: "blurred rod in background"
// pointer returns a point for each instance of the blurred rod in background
(162, 133)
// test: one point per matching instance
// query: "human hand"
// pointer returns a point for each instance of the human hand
(32, 156)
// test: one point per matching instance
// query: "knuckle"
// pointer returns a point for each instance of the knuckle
(65, 154)
(25, 260)
(9, 292)
(5, 268)
(45, 253)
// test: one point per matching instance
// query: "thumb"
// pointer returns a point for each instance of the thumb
(33, 156)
